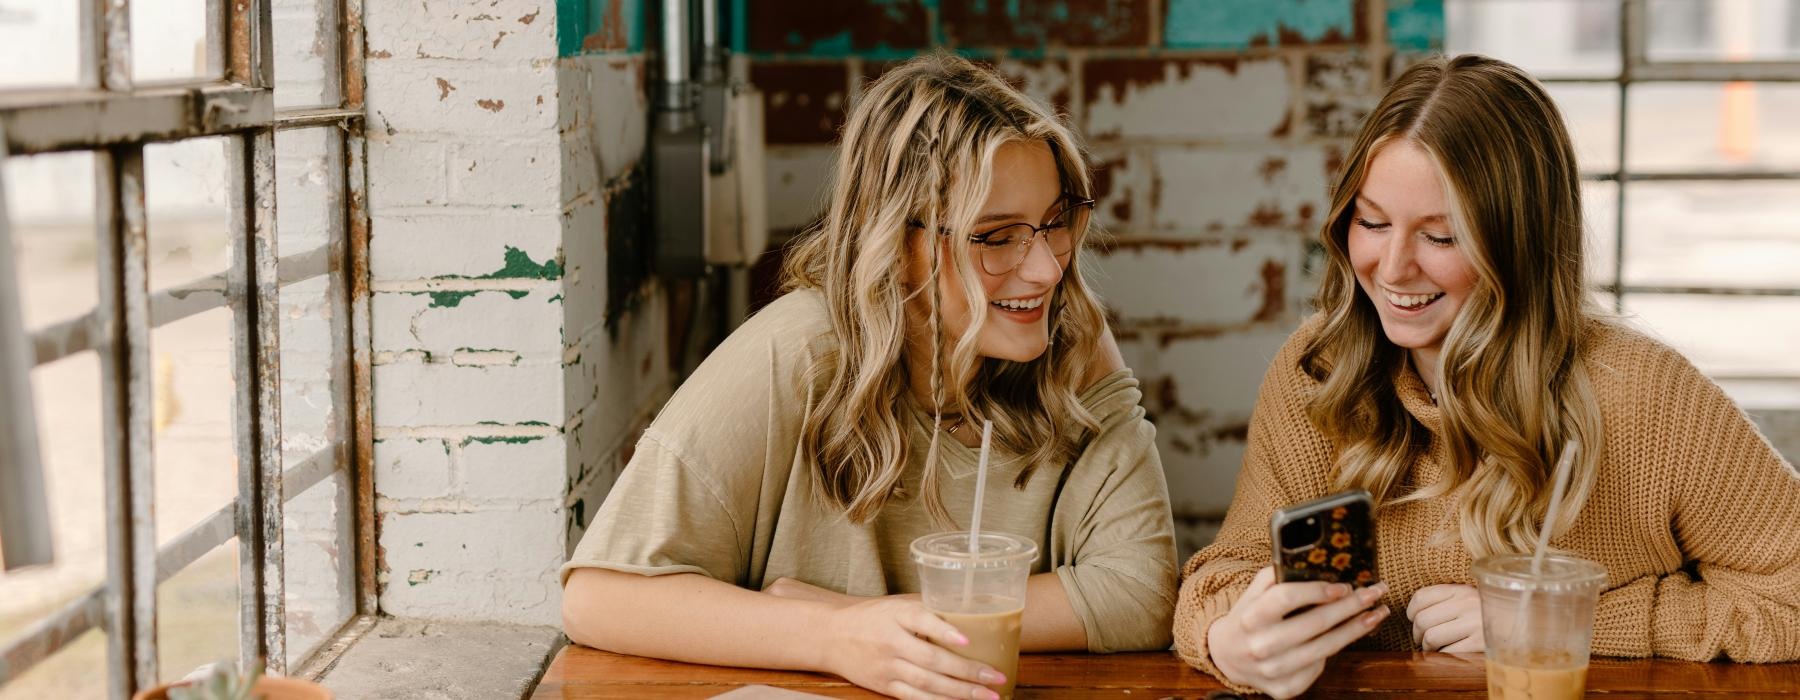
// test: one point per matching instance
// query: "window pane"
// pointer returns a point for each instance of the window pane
(1600, 206)
(306, 52)
(50, 199)
(1547, 37)
(38, 43)
(168, 40)
(191, 374)
(320, 554)
(78, 671)
(197, 614)
(1725, 335)
(192, 384)
(1724, 30)
(1591, 112)
(1713, 126)
(1737, 234)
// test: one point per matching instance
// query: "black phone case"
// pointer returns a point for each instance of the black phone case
(1345, 549)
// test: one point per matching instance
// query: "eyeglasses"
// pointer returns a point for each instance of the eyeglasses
(1000, 251)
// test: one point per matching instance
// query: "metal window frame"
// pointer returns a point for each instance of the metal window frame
(1636, 67)
(114, 119)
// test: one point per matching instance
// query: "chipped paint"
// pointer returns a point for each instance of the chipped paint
(1243, 24)
(598, 26)
(1167, 98)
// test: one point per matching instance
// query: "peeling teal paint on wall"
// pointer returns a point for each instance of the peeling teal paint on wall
(448, 300)
(576, 20)
(571, 26)
(1239, 24)
(520, 266)
(1416, 25)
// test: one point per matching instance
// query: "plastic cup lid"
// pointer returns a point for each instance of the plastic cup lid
(1561, 572)
(996, 550)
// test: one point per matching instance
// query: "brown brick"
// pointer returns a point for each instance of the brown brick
(837, 27)
(804, 102)
(1032, 24)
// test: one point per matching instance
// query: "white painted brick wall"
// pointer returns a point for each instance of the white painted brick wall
(491, 31)
(1223, 280)
(461, 244)
(501, 468)
(1197, 100)
(474, 564)
(518, 175)
(1226, 188)
(529, 325)
(518, 100)
(493, 394)
(412, 468)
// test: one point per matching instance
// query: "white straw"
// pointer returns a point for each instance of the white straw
(1559, 485)
(987, 434)
(1559, 482)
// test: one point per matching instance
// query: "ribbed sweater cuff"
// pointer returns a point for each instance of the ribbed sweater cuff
(1622, 620)
(1191, 624)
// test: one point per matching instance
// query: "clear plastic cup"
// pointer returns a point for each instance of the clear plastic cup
(981, 593)
(1538, 627)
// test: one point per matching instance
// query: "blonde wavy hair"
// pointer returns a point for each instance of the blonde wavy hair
(919, 149)
(1514, 386)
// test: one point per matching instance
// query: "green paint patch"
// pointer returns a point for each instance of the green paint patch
(556, 298)
(1416, 25)
(521, 266)
(449, 300)
(1241, 24)
(506, 440)
(517, 293)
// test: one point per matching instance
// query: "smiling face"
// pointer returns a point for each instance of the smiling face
(1404, 252)
(1026, 190)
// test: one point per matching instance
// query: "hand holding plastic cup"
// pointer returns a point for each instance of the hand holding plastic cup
(980, 592)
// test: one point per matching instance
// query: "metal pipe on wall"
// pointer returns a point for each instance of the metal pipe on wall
(676, 82)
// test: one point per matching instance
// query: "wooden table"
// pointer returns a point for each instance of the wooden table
(580, 672)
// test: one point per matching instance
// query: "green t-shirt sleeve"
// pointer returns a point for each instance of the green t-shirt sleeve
(689, 499)
(663, 517)
(1115, 527)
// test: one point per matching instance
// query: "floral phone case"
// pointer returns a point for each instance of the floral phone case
(1329, 539)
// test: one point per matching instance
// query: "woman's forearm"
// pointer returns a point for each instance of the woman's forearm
(692, 618)
(1049, 622)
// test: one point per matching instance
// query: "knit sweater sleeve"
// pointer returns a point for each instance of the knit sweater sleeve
(1735, 508)
(1281, 443)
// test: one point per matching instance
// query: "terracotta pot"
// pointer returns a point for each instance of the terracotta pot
(267, 688)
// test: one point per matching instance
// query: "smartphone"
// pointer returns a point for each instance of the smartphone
(1328, 539)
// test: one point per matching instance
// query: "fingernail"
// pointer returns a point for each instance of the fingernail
(961, 640)
(1338, 590)
(992, 677)
(985, 694)
(1374, 593)
(1375, 616)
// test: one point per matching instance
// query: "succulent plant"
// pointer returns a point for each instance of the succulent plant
(223, 682)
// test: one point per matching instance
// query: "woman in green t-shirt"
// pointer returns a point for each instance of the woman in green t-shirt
(764, 517)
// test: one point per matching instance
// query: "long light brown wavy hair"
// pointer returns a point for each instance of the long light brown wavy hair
(919, 147)
(1514, 386)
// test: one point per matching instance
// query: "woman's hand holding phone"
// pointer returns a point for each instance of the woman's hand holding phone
(1257, 644)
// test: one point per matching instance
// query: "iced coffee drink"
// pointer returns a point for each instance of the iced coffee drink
(1538, 625)
(980, 592)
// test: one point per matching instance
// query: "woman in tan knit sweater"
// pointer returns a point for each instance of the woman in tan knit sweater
(1455, 352)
